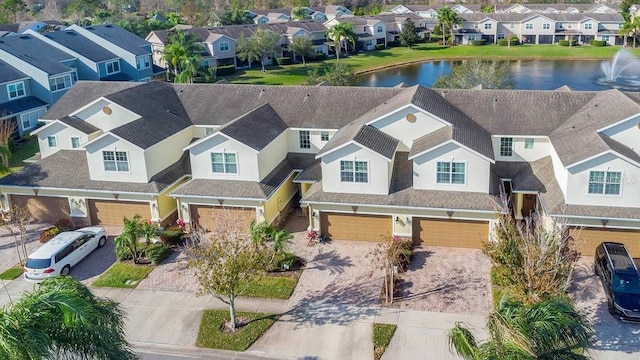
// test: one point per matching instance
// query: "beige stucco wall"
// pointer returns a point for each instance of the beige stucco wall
(541, 148)
(378, 171)
(94, 114)
(63, 136)
(397, 126)
(247, 159)
(271, 155)
(159, 156)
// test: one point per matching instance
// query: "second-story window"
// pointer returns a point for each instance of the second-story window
(379, 29)
(506, 146)
(305, 140)
(52, 141)
(115, 161)
(75, 142)
(324, 136)
(224, 163)
(588, 26)
(62, 82)
(528, 26)
(16, 90)
(487, 26)
(546, 26)
(224, 46)
(449, 172)
(112, 67)
(605, 182)
(528, 143)
(354, 171)
(144, 62)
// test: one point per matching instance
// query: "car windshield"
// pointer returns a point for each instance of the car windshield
(626, 283)
(38, 263)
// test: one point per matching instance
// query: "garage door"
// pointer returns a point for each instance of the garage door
(587, 239)
(453, 233)
(356, 226)
(106, 212)
(43, 208)
(206, 216)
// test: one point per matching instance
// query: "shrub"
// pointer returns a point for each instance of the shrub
(286, 261)
(598, 43)
(394, 43)
(318, 57)
(505, 42)
(283, 60)
(380, 46)
(477, 42)
(171, 236)
(225, 70)
(157, 252)
(48, 234)
(122, 254)
(64, 224)
(399, 253)
(566, 43)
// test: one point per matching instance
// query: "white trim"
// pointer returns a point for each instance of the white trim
(604, 184)
(212, 135)
(111, 62)
(353, 171)
(353, 142)
(308, 129)
(601, 154)
(115, 160)
(55, 139)
(597, 218)
(446, 123)
(51, 77)
(223, 152)
(397, 207)
(109, 134)
(452, 142)
(24, 90)
(617, 123)
(451, 162)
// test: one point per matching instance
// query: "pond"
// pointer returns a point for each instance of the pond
(586, 75)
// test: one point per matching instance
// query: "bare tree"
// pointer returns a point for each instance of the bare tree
(19, 218)
(225, 260)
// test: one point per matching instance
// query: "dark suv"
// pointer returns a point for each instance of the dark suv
(620, 279)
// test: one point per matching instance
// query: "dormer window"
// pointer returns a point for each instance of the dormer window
(16, 90)
(62, 82)
(115, 161)
(449, 172)
(305, 140)
(224, 163)
(506, 146)
(224, 46)
(605, 182)
(354, 171)
(113, 67)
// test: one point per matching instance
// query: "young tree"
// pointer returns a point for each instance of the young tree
(447, 18)
(548, 330)
(19, 218)
(225, 260)
(63, 319)
(136, 234)
(247, 50)
(409, 33)
(489, 74)
(302, 46)
(259, 46)
(342, 32)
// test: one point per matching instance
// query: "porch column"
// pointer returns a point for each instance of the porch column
(517, 205)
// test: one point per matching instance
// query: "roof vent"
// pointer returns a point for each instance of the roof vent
(262, 90)
(495, 99)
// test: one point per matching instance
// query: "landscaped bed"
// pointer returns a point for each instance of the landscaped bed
(11, 273)
(123, 275)
(382, 334)
(212, 335)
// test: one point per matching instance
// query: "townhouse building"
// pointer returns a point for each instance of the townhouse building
(432, 165)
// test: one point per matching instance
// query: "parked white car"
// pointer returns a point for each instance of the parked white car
(58, 255)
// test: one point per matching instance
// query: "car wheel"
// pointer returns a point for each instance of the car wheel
(102, 241)
(65, 270)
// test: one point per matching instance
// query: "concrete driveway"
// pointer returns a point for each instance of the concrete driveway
(8, 253)
(615, 339)
(443, 279)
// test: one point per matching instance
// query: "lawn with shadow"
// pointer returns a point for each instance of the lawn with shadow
(211, 333)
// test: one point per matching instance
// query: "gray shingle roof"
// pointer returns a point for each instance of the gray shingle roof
(257, 128)
(81, 45)
(74, 175)
(19, 105)
(377, 141)
(403, 194)
(121, 37)
(9, 73)
(431, 140)
(37, 53)
(79, 124)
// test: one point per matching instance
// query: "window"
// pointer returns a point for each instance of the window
(16, 90)
(62, 82)
(588, 26)
(224, 46)
(487, 26)
(528, 143)
(450, 172)
(113, 67)
(30, 119)
(52, 141)
(472, 37)
(354, 171)
(319, 50)
(75, 142)
(208, 131)
(224, 163)
(305, 141)
(528, 26)
(144, 62)
(500, 36)
(605, 38)
(546, 26)
(569, 26)
(324, 135)
(379, 29)
(115, 161)
(512, 25)
(506, 146)
(605, 182)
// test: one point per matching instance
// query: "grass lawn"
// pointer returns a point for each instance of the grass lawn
(24, 150)
(379, 59)
(117, 275)
(382, 334)
(272, 287)
(210, 334)
(12, 273)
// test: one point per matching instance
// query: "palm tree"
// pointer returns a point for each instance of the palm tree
(625, 30)
(635, 27)
(181, 47)
(62, 318)
(448, 18)
(342, 32)
(134, 230)
(547, 330)
(299, 13)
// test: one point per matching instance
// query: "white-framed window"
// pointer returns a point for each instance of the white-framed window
(52, 141)
(512, 25)
(450, 172)
(224, 162)
(588, 26)
(324, 136)
(354, 171)
(143, 62)
(305, 140)
(112, 67)
(58, 83)
(30, 119)
(75, 142)
(528, 26)
(471, 37)
(528, 143)
(16, 90)
(546, 26)
(115, 160)
(208, 130)
(224, 46)
(605, 38)
(506, 146)
(605, 182)
(379, 29)
(487, 26)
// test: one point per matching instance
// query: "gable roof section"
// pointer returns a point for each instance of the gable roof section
(121, 38)
(9, 73)
(257, 128)
(36, 53)
(19, 105)
(81, 45)
(79, 124)
(431, 140)
(365, 135)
